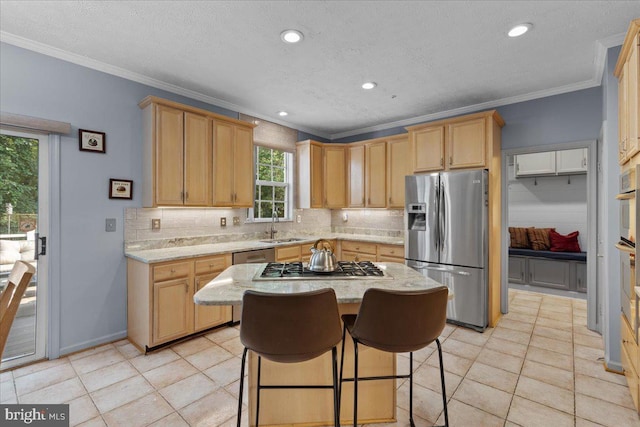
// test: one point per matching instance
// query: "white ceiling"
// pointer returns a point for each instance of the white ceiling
(429, 58)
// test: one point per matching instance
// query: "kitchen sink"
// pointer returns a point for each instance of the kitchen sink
(290, 239)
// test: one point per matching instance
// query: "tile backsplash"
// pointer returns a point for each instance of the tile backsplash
(193, 226)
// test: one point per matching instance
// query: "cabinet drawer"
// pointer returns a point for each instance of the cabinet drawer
(171, 271)
(394, 251)
(355, 256)
(629, 343)
(384, 258)
(288, 253)
(360, 247)
(211, 265)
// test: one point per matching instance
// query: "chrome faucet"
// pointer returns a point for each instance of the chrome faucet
(274, 219)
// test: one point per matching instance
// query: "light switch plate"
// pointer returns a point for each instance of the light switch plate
(155, 224)
(298, 219)
(223, 222)
(110, 224)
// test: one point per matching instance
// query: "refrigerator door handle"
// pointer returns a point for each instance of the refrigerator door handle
(436, 229)
(443, 215)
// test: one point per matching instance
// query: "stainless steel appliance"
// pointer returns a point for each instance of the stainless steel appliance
(250, 257)
(343, 270)
(446, 238)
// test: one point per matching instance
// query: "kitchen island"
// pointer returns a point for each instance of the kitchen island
(377, 399)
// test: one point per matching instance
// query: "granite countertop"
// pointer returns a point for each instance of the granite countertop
(229, 286)
(183, 252)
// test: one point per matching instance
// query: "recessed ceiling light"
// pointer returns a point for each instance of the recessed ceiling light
(282, 113)
(369, 85)
(291, 36)
(519, 29)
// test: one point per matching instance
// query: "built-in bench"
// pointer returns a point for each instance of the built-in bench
(558, 270)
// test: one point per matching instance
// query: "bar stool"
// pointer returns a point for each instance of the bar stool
(396, 322)
(290, 328)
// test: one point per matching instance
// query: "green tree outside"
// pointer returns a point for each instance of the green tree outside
(18, 179)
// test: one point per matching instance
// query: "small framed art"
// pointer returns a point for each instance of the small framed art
(120, 189)
(91, 140)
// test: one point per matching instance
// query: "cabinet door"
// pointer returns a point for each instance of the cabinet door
(397, 167)
(243, 173)
(197, 153)
(209, 316)
(317, 191)
(356, 177)
(169, 167)
(581, 277)
(536, 164)
(172, 310)
(376, 174)
(633, 100)
(466, 144)
(518, 270)
(335, 177)
(428, 149)
(571, 161)
(222, 164)
(623, 116)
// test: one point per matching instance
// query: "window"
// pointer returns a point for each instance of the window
(273, 184)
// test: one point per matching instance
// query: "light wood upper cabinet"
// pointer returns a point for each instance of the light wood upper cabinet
(179, 152)
(310, 172)
(356, 176)
(464, 142)
(376, 174)
(428, 149)
(335, 176)
(233, 165)
(627, 72)
(182, 151)
(398, 166)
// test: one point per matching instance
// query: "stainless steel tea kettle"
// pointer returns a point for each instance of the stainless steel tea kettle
(323, 260)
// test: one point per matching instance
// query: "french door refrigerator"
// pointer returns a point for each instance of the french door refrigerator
(446, 238)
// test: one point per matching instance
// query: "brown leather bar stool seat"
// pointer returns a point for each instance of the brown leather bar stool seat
(397, 322)
(290, 328)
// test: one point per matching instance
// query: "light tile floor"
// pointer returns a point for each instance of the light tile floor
(540, 366)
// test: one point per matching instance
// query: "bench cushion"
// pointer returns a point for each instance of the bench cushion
(571, 256)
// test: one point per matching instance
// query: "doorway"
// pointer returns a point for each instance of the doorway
(569, 275)
(24, 223)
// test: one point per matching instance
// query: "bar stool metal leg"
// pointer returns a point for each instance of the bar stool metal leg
(258, 391)
(355, 383)
(411, 389)
(336, 401)
(444, 393)
(244, 359)
(344, 334)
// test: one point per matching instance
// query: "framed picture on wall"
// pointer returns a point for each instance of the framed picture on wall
(120, 189)
(91, 140)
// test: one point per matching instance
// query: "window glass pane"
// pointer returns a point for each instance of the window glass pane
(278, 174)
(256, 209)
(278, 158)
(266, 192)
(279, 207)
(266, 209)
(264, 155)
(279, 193)
(264, 173)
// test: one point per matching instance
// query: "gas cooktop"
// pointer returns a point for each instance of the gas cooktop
(299, 271)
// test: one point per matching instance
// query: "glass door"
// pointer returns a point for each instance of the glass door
(23, 230)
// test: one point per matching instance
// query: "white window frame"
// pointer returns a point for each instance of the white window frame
(288, 185)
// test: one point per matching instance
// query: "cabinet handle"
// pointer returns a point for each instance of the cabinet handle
(186, 195)
(522, 276)
(356, 258)
(363, 201)
(369, 201)
(584, 162)
(441, 161)
(182, 196)
(450, 160)
(186, 288)
(530, 276)
(389, 200)
(173, 270)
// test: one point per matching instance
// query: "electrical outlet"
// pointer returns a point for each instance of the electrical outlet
(223, 222)
(345, 217)
(155, 224)
(236, 220)
(110, 224)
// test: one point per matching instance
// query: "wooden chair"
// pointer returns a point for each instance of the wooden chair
(19, 279)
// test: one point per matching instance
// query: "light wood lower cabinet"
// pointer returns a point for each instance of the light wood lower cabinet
(630, 359)
(297, 253)
(160, 305)
(365, 251)
(391, 253)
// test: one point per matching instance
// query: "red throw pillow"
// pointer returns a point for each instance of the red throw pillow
(568, 243)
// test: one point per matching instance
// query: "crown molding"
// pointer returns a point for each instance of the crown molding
(139, 78)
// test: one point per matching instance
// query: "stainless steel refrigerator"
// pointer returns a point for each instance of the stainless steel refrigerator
(446, 238)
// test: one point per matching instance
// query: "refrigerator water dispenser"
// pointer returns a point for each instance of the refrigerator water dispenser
(417, 216)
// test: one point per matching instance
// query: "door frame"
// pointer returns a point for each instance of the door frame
(593, 322)
(44, 217)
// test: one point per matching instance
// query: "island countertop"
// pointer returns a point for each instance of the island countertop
(230, 285)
